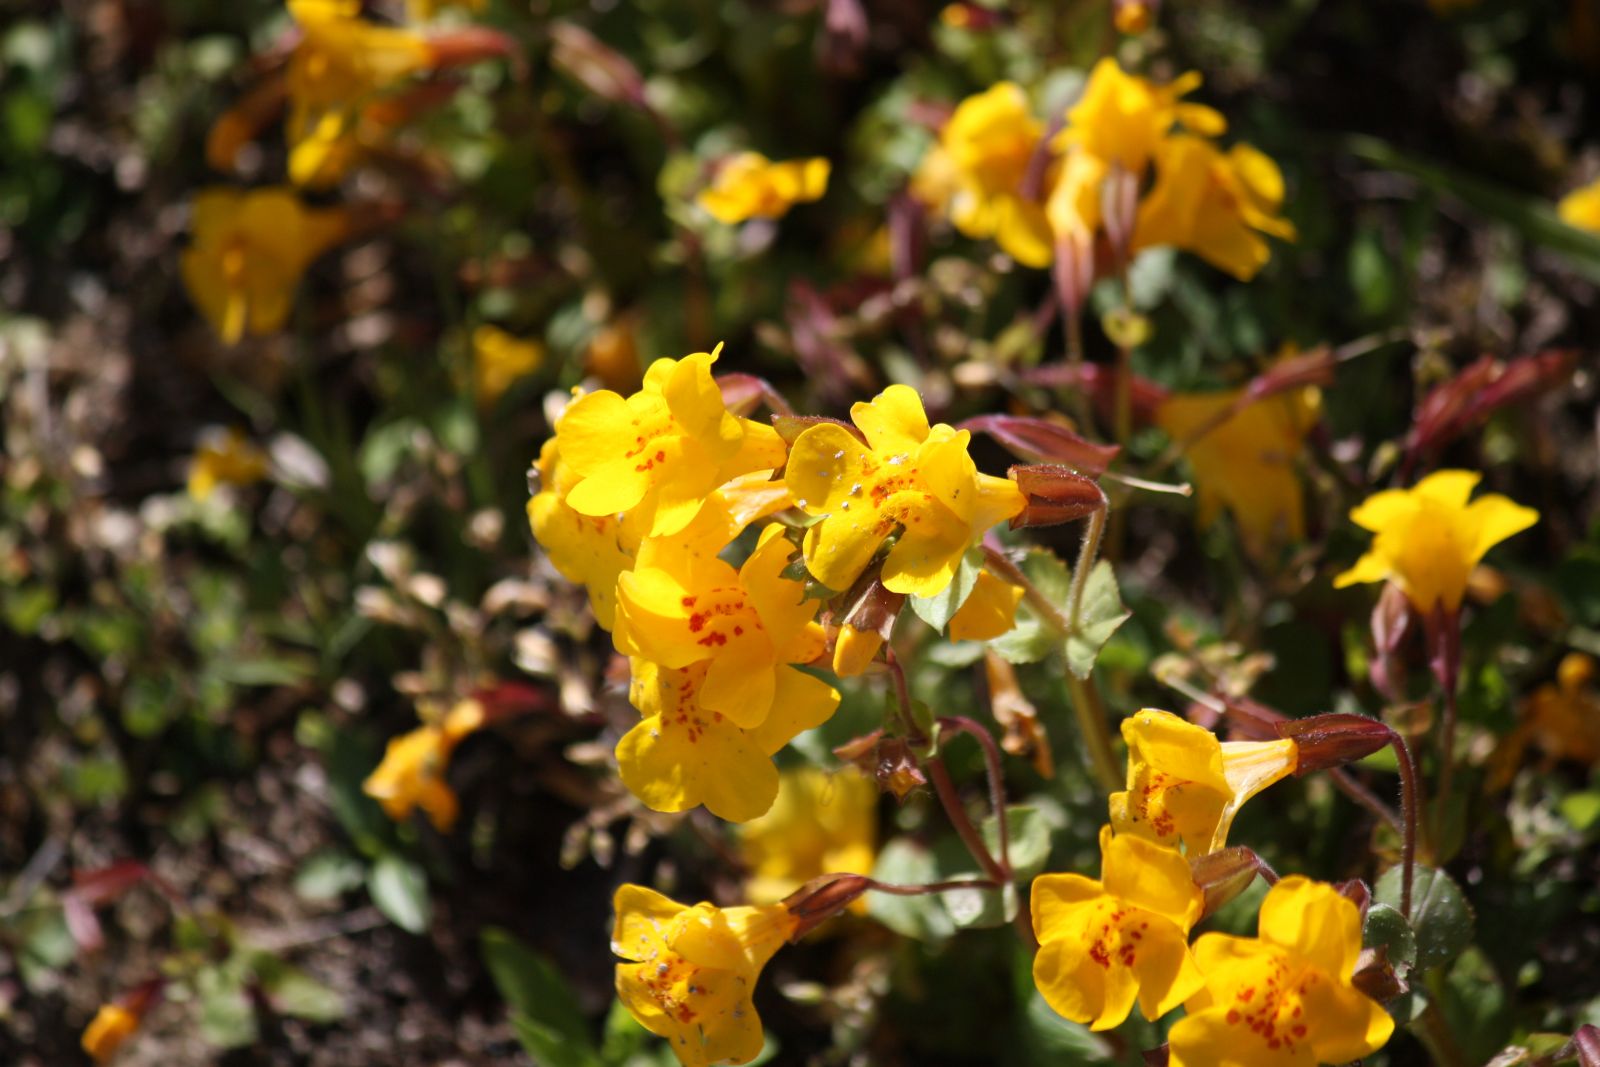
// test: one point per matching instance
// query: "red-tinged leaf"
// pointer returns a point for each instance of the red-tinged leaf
(743, 393)
(1044, 441)
(1481, 389)
(106, 884)
(1055, 495)
(1308, 368)
(506, 699)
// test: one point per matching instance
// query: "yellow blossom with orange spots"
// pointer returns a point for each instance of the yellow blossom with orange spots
(1283, 998)
(1185, 786)
(688, 974)
(1104, 944)
(909, 480)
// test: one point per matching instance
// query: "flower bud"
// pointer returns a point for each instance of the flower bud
(867, 623)
(1586, 1043)
(889, 760)
(743, 393)
(1334, 739)
(1391, 618)
(1374, 975)
(1224, 874)
(1055, 495)
(822, 898)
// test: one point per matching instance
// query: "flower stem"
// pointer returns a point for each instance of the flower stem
(996, 775)
(1410, 803)
(1091, 715)
(946, 789)
(1433, 1031)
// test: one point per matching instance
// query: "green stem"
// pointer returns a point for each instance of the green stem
(1433, 1031)
(1091, 715)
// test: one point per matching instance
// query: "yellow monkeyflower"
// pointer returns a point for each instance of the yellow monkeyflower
(341, 62)
(978, 169)
(822, 823)
(751, 186)
(225, 459)
(688, 973)
(989, 610)
(1246, 465)
(1185, 785)
(1285, 997)
(1560, 718)
(908, 476)
(110, 1028)
(1429, 538)
(1581, 207)
(247, 255)
(678, 607)
(1215, 204)
(662, 450)
(1104, 944)
(498, 360)
(682, 754)
(412, 774)
(1124, 119)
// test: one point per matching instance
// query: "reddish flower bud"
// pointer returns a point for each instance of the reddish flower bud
(470, 44)
(1357, 892)
(1334, 739)
(1055, 495)
(1479, 390)
(889, 760)
(1044, 441)
(822, 898)
(1391, 618)
(1375, 975)
(1099, 381)
(1586, 1043)
(1224, 874)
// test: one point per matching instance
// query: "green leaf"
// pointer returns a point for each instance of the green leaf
(400, 890)
(227, 1019)
(1441, 918)
(937, 610)
(623, 1037)
(293, 992)
(1098, 618)
(546, 1016)
(1030, 839)
(328, 875)
(1386, 927)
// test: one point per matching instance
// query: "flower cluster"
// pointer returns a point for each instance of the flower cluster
(1284, 997)
(640, 496)
(1134, 165)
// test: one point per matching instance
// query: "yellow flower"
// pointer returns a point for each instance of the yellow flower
(989, 610)
(1247, 464)
(1103, 944)
(341, 62)
(682, 605)
(681, 754)
(822, 823)
(498, 360)
(854, 650)
(412, 774)
(248, 253)
(1124, 119)
(1074, 208)
(1214, 204)
(225, 459)
(1284, 997)
(908, 476)
(1430, 538)
(1185, 785)
(663, 450)
(111, 1026)
(689, 973)
(1561, 719)
(977, 173)
(751, 186)
(1581, 207)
